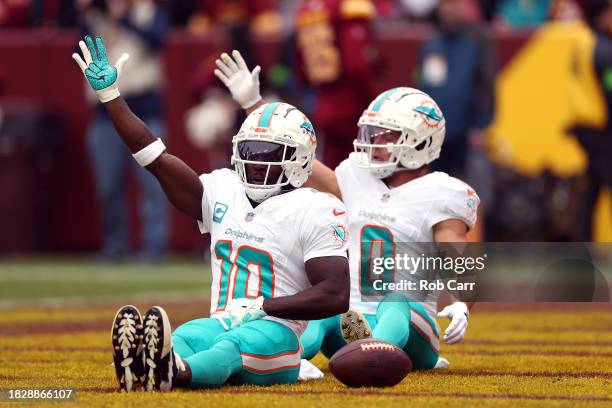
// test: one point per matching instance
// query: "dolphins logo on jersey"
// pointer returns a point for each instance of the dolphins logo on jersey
(339, 233)
(472, 201)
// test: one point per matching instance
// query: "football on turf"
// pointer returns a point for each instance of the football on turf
(370, 363)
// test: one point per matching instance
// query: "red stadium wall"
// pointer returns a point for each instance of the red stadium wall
(37, 67)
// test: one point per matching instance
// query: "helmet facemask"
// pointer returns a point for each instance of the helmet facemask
(384, 150)
(264, 167)
(378, 149)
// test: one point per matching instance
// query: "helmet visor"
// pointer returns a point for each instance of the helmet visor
(380, 145)
(262, 161)
(261, 151)
(374, 135)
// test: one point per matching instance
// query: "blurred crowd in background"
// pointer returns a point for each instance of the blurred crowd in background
(328, 63)
(270, 15)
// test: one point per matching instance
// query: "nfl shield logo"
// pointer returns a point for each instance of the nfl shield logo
(385, 197)
(249, 217)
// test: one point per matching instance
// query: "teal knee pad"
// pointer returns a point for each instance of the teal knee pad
(181, 346)
(262, 337)
(214, 367)
(196, 335)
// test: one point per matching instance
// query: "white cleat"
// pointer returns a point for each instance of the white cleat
(354, 326)
(309, 371)
(441, 364)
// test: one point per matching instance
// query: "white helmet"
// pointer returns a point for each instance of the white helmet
(413, 118)
(275, 138)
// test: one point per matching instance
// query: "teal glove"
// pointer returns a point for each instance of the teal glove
(99, 73)
(245, 310)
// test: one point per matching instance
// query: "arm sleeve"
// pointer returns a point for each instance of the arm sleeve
(323, 233)
(459, 202)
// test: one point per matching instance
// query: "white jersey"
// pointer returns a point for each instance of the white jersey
(261, 251)
(403, 214)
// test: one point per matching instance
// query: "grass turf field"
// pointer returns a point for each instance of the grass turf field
(54, 332)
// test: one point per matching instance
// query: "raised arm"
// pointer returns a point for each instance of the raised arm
(244, 87)
(179, 182)
(323, 179)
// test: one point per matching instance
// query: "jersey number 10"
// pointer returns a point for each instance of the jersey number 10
(245, 261)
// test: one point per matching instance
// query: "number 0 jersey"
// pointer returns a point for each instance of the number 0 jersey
(378, 214)
(261, 251)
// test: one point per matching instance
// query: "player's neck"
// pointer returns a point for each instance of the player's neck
(402, 177)
(254, 204)
(284, 189)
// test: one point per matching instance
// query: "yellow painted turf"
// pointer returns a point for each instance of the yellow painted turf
(527, 359)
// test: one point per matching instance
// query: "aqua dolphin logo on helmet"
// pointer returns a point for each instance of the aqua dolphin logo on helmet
(307, 126)
(406, 125)
(429, 114)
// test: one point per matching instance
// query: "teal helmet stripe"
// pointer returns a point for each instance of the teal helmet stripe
(382, 98)
(266, 115)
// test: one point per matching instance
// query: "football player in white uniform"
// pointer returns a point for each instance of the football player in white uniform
(391, 197)
(278, 251)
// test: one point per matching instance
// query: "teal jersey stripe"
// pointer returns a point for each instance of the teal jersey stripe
(382, 98)
(266, 115)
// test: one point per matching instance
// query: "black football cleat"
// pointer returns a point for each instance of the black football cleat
(126, 338)
(161, 363)
(354, 326)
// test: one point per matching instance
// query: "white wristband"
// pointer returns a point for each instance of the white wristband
(147, 155)
(108, 94)
(251, 102)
